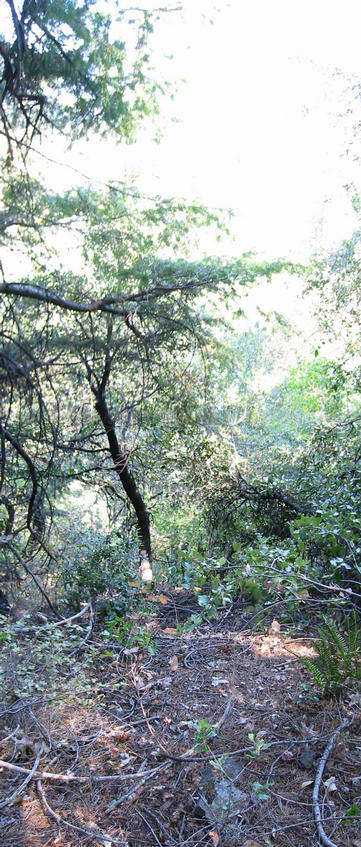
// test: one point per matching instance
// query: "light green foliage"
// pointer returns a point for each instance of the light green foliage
(86, 73)
(315, 392)
(353, 814)
(258, 745)
(261, 790)
(150, 342)
(205, 732)
(178, 526)
(336, 277)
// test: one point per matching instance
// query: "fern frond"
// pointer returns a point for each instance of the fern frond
(338, 656)
(337, 637)
(319, 677)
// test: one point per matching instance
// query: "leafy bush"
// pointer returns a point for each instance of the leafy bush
(100, 568)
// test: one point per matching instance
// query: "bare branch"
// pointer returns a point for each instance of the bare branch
(316, 806)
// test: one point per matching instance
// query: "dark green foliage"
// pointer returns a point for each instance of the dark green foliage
(338, 661)
(68, 64)
(99, 570)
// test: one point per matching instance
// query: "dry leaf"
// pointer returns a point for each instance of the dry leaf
(307, 783)
(173, 662)
(150, 626)
(307, 732)
(162, 598)
(214, 836)
(275, 628)
(121, 734)
(287, 756)
(170, 630)
(330, 784)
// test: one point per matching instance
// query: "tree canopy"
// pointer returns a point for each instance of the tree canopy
(76, 68)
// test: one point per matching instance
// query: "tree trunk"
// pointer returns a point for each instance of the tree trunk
(129, 485)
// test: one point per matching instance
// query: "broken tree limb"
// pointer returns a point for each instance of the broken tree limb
(71, 777)
(316, 788)
(14, 797)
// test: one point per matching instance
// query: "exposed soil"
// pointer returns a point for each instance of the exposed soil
(137, 723)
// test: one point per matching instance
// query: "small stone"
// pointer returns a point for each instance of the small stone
(233, 768)
(307, 759)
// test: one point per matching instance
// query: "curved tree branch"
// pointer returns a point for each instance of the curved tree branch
(316, 806)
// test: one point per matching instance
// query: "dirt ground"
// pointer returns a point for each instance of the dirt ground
(141, 755)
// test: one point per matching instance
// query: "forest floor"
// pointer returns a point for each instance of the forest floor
(217, 739)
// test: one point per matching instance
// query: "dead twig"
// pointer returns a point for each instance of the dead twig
(132, 792)
(51, 625)
(316, 788)
(99, 836)
(224, 717)
(9, 801)
(88, 632)
(154, 834)
(67, 620)
(53, 777)
(62, 777)
(4, 741)
(162, 828)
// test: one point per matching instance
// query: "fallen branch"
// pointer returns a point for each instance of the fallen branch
(51, 625)
(65, 777)
(315, 804)
(53, 777)
(130, 794)
(67, 620)
(9, 801)
(88, 632)
(4, 741)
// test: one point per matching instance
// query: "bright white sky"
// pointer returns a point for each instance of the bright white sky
(262, 118)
